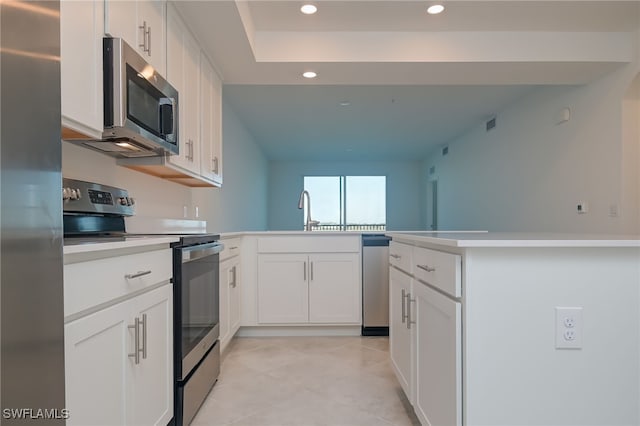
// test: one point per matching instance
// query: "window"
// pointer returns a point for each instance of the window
(351, 203)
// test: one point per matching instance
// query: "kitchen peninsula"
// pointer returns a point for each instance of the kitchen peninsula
(501, 328)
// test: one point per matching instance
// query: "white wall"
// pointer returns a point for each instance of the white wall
(404, 193)
(529, 172)
(154, 197)
(241, 203)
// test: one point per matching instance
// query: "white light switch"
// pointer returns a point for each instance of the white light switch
(568, 328)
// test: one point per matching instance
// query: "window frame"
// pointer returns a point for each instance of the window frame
(343, 191)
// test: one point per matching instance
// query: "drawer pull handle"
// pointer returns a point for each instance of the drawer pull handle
(144, 336)
(136, 331)
(137, 274)
(404, 307)
(409, 302)
(426, 268)
(233, 248)
(395, 256)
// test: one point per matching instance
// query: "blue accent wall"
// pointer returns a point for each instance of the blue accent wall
(405, 199)
(241, 203)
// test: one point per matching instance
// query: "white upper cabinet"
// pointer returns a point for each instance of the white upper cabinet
(81, 31)
(210, 125)
(141, 24)
(183, 57)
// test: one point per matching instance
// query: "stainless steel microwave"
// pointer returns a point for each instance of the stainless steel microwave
(140, 106)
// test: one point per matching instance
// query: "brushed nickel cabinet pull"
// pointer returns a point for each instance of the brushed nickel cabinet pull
(426, 268)
(144, 336)
(136, 332)
(409, 302)
(404, 309)
(233, 283)
(149, 40)
(145, 33)
(137, 274)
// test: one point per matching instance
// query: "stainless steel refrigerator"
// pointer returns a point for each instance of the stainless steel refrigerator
(31, 292)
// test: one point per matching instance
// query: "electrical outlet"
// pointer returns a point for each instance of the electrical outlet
(568, 328)
(582, 207)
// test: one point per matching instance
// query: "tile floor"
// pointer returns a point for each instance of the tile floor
(304, 381)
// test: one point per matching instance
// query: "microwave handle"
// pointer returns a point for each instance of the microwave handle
(167, 108)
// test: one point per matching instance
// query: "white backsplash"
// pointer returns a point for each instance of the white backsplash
(154, 197)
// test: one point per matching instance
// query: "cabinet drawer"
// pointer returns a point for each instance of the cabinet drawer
(231, 248)
(400, 256)
(440, 270)
(310, 244)
(94, 282)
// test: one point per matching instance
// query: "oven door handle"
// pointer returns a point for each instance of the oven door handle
(198, 252)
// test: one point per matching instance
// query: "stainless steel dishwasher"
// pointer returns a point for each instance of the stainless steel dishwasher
(375, 285)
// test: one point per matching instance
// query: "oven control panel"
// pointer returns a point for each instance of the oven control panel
(88, 197)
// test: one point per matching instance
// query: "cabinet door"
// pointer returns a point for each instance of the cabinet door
(81, 31)
(152, 396)
(226, 277)
(283, 291)
(400, 333)
(210, 126)
(151, 17)
(141, 24)
(334, 288)
(121, 21)
(438, 357)
(234, 297)
(97, 366)
(183, 72)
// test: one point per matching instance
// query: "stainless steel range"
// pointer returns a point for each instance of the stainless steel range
(94, 213)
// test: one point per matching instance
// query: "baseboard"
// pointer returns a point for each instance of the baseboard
(283, 331)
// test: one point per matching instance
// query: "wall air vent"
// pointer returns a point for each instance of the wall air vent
(491, 124)
(445, 150)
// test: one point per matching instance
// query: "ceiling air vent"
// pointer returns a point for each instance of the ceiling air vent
(445, 150)
(491, 124)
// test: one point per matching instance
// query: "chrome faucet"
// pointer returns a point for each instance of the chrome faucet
(309, 223)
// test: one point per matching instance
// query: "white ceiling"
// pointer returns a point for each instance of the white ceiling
(414, 80)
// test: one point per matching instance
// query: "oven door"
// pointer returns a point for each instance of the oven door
(197, 316)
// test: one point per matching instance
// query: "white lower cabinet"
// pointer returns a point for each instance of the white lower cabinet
(105, 383)
(97, 368)
(152, 396)
(425, 329)
(119, 337)
(318, 288)
(437, 356)
(400, 333)
(229, 299)
(283, 291)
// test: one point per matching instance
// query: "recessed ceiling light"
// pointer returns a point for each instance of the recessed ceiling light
(345, 103)
(308, 9)
(309, 74)
(435, 9)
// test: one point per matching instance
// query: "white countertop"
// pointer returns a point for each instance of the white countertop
(292, 233)
(516, 239)
(86, 245)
